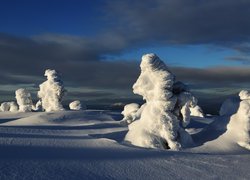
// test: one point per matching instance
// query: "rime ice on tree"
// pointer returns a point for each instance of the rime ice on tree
(158, 126)
(51, 92)
(24, 100)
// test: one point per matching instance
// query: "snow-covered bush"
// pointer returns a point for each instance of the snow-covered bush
(51, 92)
(186, 103)
(24, 100)
(76, 105)
(9, 106)
(13, 106)
(229, 106)
(158, 127)
(239, 123)
(196, 111)
(5, 106)
(130, 113)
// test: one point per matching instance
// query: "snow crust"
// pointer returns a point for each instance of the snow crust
(24, 100)
(52, 92)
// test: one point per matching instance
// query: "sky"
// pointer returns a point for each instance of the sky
(97, 46)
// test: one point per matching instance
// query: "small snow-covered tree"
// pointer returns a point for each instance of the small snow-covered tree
(52, 92)
(5, 106)
(158, 126)
(76, 105)
(239, 123)
(13, 106)
(24, 100)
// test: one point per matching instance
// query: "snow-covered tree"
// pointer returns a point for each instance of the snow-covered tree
(239, 123)
(5, 106)
(158, 126)
(13, 106)
(24, 100)
(52, 91)
(76, 105)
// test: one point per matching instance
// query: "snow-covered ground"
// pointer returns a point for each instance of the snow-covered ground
(89, 145)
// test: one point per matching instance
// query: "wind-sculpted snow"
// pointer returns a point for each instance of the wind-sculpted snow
(76, 105)
(196, 111)
(158, 126)
(51, 92)
(24, 100)
(239, 123)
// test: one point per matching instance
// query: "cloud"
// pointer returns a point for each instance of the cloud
(183, 21)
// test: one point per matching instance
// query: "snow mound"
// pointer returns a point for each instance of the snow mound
(76, 105)
(229, 106)
(157, 127)
(51, 92)
(24, 100)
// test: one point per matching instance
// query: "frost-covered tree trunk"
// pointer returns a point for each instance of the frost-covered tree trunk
(52, 92)
(24, 100)
(158, 126)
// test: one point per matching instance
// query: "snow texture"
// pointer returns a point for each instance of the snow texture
(24, 100)
(52, 92)
(239, 123)
(158, 127)
(229, 106)
(76, 105)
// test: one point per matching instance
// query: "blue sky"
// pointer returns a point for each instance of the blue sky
(91, 42)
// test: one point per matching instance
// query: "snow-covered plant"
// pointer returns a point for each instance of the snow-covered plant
(130, 113)
(76, 105)
(13, 106)
(24, 100)
(51, 92)
(186, 103)
(158, 126)
(5, 106)
(239, 123)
